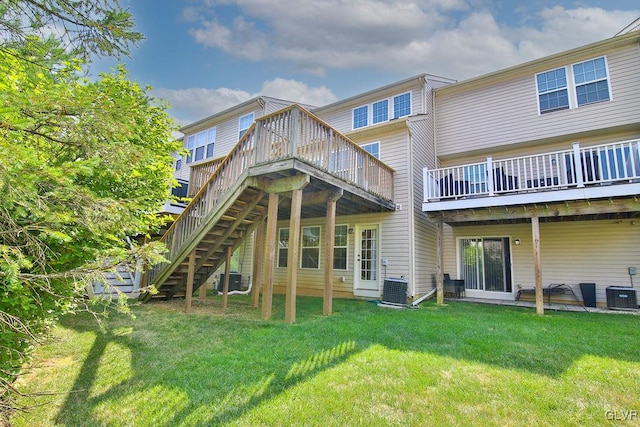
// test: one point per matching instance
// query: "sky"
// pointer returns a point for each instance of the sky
(204, 56)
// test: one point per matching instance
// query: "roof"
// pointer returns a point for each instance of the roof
(260, 100)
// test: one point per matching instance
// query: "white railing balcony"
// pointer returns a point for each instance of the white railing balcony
(575, 168)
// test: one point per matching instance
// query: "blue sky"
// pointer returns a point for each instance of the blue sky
(204, 56)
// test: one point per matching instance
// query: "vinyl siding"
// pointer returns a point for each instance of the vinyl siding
(394, 229)
(424, 252)
(507, 113)
(571, 252)
(342, 119)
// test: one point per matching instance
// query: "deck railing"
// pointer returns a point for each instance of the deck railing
(289, 133)
(576, 167)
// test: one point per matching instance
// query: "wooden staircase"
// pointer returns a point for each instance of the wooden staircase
(231, 204)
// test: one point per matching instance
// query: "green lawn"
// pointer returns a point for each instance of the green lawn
(456, 364)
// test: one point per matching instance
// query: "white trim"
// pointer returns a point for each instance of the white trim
(596, 192)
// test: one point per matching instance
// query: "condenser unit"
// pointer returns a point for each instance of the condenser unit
(621, 298)
(394, 291)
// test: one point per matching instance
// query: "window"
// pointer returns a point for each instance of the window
(373, 149)
(401, 105)
(552, 90)
(360, 117)
(588, 81)
(245, 123)
(340, 247)
(178, 164)
(310, 256)
(200, 145)
(380, 111)
(283, 247)
(485, 264)
(591, 81)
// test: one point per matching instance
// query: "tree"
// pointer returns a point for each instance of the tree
(83, 165)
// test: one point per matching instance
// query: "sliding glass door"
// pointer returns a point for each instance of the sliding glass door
(485, 264)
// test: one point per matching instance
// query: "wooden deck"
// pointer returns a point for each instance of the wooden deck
(285, 153)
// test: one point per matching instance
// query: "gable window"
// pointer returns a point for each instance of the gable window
(360, 117)
(244, 124)
(373, 149)
(380, 111)
(401, 105)
(283, 247)
(310, 256)
(200, 145)
(591, 81)
(340, 247)
(552, 90)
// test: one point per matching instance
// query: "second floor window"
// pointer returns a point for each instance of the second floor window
(244, 124)
(373, 149)
(200, 145)
(552, 90)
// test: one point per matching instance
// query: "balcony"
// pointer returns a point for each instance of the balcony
(595, 172)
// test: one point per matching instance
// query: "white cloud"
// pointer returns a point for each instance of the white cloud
(454, 38)
(192, 104)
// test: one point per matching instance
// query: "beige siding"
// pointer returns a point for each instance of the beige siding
(424, 252)
(571, 252)
(342, 119)
(507, 113)
(394, 229)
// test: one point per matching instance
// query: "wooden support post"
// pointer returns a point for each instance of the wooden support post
(190, 276)
(202, 291)
(439, 262)
(270, 256)
(227, 273)
(330, 232)
(537, 267)
(293, 256)
(258, 254)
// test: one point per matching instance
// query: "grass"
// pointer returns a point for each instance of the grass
(456, 364)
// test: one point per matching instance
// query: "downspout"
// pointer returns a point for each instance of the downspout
(412, 269)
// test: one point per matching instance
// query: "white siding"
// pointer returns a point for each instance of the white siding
(507, 112)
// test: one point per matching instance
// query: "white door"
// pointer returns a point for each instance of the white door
(366, 282)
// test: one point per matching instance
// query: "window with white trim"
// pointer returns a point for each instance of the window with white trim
(310, 247)
(552, 90)
(380, 111)
(580, 84)
(201, 144)
(340, 247)
(283, 247)
(360, 117)
(373, 149)
(245, 123)
(591, 80)
(402, 105)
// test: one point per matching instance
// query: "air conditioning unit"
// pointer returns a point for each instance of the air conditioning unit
(394, 291)
(621, 298)
(235, 282)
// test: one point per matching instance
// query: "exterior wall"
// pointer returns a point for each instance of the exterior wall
(424, 231)
(492, 117)
(394, 242)
(340, 116)
(571, 252)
